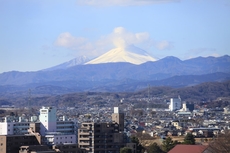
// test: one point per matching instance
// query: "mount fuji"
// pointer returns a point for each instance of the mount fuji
(129, 54)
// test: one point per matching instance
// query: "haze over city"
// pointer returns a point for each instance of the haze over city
(39, 34)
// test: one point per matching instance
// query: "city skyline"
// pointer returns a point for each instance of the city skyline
(39, 34)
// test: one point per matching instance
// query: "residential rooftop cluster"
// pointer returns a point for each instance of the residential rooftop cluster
(107, 128)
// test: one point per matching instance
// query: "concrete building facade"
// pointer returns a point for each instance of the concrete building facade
(103, 137)
(175, 104)
(55, 138)
(48, 120)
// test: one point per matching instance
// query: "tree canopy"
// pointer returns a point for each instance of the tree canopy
(154, 148)
(139, 146)
(168, 144)
(189, 139)
(125, 150)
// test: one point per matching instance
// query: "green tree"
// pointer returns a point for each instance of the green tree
(168, 144)
(189, 139)
(154, 148)
(125, 150)
(140, 148)
(134, 140)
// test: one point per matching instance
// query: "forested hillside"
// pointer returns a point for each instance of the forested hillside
(206, 92)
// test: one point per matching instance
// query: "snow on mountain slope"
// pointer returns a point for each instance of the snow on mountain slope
(130, 54)
(76, 61)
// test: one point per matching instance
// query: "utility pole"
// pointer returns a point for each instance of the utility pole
(29, 101)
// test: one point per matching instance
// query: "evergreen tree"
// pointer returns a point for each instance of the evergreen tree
(125, 150)
(154, 148)
(139, 146)
(189, 139)
(168, 144)
(134, 140)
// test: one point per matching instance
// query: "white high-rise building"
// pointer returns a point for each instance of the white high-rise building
(53, 131)
(175, 104)
(48, 120)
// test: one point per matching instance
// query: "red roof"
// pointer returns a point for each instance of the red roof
(142, 124)
(188, 149)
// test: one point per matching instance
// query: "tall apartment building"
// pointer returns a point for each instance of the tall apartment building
(103, 137)
(48, 120)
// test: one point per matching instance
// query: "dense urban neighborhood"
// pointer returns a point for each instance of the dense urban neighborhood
(106, 124)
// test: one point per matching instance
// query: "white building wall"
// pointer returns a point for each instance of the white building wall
(60, 139)
(14, 128)
(48, 119)
(175, 104)
(116, 110)
(6, 128)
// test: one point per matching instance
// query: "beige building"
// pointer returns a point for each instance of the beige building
(12, 143)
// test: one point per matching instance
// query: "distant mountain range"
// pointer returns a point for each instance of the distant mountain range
(127, 69)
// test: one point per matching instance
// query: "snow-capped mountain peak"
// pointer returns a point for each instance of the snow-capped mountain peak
(76, 61)
(130, 54)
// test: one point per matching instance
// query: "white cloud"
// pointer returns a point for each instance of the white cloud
(162, 45)
(119, 37)
(67, 40)
(80, 45)
(122, 2)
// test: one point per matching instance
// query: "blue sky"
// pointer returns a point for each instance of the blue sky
(37, 34)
